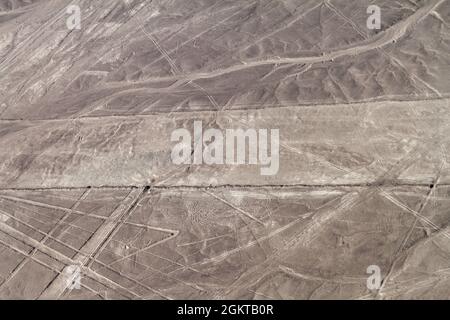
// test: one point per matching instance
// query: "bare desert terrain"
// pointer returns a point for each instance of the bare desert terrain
(89, 191)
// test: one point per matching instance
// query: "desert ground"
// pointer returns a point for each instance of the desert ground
(93, 207)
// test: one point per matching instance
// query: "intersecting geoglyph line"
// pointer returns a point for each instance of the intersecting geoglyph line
(382, 39)
(94, 188)
(421, 13)
(47, 236)
(59, 284)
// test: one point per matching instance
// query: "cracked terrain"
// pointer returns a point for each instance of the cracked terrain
(87, 180)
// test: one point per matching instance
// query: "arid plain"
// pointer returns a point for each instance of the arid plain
(87, 179)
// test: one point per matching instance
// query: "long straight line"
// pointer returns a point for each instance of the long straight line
(369, 184)
(362, 103)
